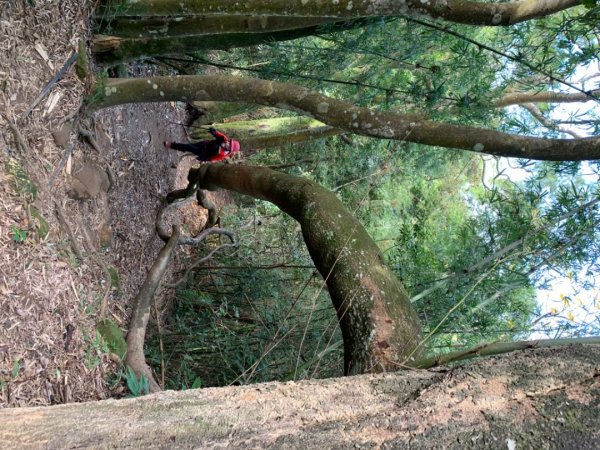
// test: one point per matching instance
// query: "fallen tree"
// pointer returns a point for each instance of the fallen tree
(543, 398)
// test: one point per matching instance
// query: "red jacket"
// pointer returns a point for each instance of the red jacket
(226, 146)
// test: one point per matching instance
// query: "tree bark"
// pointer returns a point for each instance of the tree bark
(518, 98)
(379, 325)
(459, 11)
(182, 35)
(154, 27)
(346, 116)
(116, 50)
(535, 399)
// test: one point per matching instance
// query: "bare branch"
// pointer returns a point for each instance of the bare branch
(184, 278)
(549, 123)
(497, 348)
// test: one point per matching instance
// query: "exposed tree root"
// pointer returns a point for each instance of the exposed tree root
(205, 202)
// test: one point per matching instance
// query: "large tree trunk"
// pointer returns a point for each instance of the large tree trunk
(136, 28)
(130, 39)
(115, 50)
(536, 399)
(460, 11)
(379, 325)
(344, 115)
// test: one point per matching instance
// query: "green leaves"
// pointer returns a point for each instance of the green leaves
(137, 387)
(18, 235)
(589, 3)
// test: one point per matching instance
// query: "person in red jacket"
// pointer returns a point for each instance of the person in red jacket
(216, 150)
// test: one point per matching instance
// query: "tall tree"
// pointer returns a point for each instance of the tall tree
(372, 115)
(468, 12)
(344, 115)
(379, 326)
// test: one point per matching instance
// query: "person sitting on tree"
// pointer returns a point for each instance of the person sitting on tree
(216, 150)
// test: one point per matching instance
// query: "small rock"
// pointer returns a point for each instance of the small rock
(106, 236)
(89, 181)
(62, 134)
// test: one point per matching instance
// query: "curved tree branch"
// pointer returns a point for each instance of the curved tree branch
(161, 227)
(459, 11)
(344, 115)
(378, 324)
(137, 329)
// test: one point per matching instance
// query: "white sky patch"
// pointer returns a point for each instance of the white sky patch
(565, 302)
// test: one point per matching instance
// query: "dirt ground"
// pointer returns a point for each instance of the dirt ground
(76, 220)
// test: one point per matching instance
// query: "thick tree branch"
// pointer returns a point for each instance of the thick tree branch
(153, 27)
(225, 32)
(538, 398)
(378, 324)
(343, 115)
(519, 98)
(460, 11)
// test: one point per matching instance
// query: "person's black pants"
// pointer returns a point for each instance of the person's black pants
(203, 149)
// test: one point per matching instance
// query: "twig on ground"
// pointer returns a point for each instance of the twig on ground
(61, 73)
(61, 165)
(18, 137)
(65, 225)
(90, 138)
(73, 113)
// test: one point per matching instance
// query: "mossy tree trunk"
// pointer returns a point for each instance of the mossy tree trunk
(268, 133)
(344, 115)
(108, 49)
(122, 39)
(379, 325)
(460, 11)
(535, 399)
(169, 26)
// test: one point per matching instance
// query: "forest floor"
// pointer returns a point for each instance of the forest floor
(77, 221)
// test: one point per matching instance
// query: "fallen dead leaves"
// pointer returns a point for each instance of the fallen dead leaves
(49, 351)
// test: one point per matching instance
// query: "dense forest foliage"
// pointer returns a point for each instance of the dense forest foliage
(489, 249)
